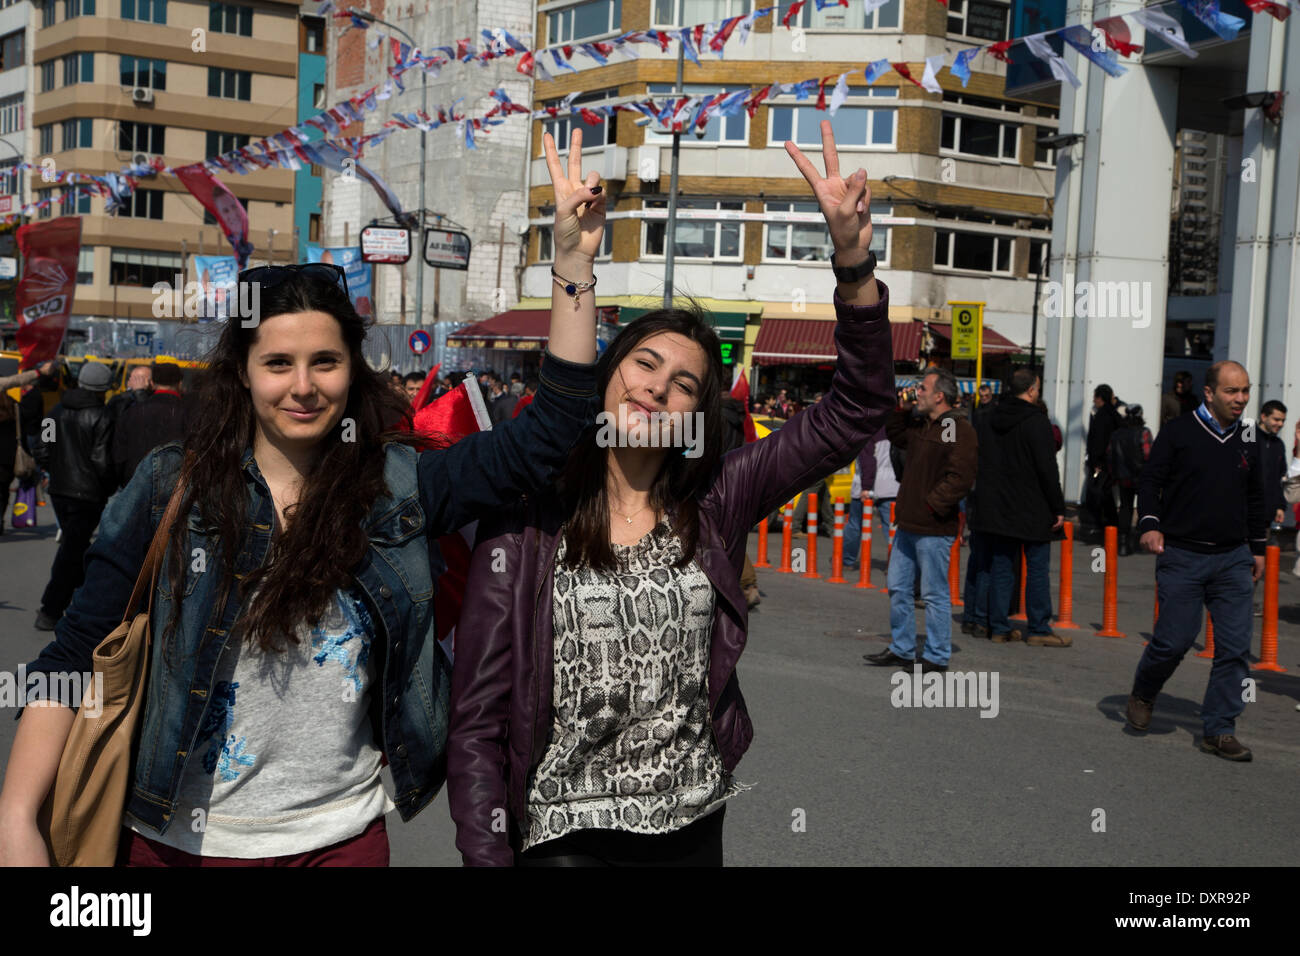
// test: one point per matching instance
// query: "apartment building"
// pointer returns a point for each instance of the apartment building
(960, 190)
(120, 80)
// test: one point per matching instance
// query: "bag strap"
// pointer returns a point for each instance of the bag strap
(148, 576)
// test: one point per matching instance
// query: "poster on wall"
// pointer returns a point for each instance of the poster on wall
(357, 272)
(216, 276)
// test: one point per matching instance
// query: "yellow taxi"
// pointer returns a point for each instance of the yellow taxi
(837, 485)
(121, 369)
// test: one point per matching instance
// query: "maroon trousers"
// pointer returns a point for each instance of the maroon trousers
(368, 848)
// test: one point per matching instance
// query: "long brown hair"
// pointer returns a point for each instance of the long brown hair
(680, 480)
(324, 538)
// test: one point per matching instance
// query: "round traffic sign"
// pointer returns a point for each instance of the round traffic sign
(420, 342)
(965, 317)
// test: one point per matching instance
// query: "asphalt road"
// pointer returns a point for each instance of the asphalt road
(841, 776)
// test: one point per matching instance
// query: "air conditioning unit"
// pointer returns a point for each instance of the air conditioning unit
(612, 163)
(142, 95)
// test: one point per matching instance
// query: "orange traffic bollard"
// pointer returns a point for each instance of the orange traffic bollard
(892, 529)
(1209, 637)
(1023, 613)
(1067, 578)
(1268, 633)
(837, 546)
(762, 561)
(954, 565)
(1110, 601)
(787, 533)
(812, 537)
(864, 552)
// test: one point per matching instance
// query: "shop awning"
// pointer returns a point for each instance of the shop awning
(730, 326)
(812, 341)
(993, 342)
(518, 329)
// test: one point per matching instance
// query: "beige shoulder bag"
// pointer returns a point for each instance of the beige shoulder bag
(81, 818)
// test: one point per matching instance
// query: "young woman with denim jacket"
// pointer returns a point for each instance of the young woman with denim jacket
(286, 665)
(596, 717)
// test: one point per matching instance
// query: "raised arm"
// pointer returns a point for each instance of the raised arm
(763, 475)
(490, 469)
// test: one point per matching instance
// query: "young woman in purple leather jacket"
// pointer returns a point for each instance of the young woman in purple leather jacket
(596, 718)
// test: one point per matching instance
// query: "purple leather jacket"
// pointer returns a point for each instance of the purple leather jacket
(503, 675)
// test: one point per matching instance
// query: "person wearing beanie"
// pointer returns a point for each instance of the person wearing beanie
(77, 453)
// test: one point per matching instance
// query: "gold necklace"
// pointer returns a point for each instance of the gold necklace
(633, 515)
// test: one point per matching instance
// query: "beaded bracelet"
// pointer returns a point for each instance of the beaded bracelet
(571, 287)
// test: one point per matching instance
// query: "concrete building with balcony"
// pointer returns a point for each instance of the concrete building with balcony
(184, 80)
(961, 194)
(1221, 282)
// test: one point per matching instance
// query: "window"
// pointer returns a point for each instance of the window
(78, 8)
(835, 17)
(142, 138)
(144, 204)
(546, 246)
(46, 137)
(78, 68)
(855, 123)
(312, 36)
(811, 241)
(211, 220)
(219, 143)
(313, 227)
(77, 133)
(11, 177)
(47, 76)
(11, 50)
(583, 21)
(695, 238)
(230, 84)
(977, 136)
(48, 13)
(318, 96)
(1037, 256)
(1043, 155)
(720, 130)
(687, 13)
(12, 114)
(229, 18)
(136, 267)
(141, 71)
(72, 204)
(974, 251)
(86, 267)
(150, 11)
(593, 136)
(46, 211)
(982, 19)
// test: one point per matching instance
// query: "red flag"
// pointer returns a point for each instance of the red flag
(821, 92)
(590, 118)
(697, 34)
(720, 38)
(905, 73)
(751, 104)
(448, 419)
(1276, 10)
(221, 202)
(422, 396)
(792, 12)
(45, 291)
(524, 402)
(999, 50)
(525, 65)
(740, 390)
(1117, 36)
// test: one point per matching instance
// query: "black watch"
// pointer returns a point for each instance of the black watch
(854, 273)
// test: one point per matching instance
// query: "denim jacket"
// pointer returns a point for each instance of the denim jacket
(429, 494)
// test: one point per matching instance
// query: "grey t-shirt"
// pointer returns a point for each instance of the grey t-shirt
(285, 761)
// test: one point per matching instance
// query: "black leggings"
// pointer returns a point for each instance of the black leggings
(697, 844)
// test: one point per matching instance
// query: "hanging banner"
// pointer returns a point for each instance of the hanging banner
(446, 249)
(385, 245)
(216, 277)
(44, 298)
(217, 199)
(357, 272)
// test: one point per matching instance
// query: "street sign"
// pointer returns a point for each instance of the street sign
(385, 245)
(444, 249)
(143, 339)
(420, 342)
(967, 329)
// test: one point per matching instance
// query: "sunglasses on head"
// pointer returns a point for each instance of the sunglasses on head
(268, 277)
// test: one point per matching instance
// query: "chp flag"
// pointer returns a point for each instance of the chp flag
(44, 298)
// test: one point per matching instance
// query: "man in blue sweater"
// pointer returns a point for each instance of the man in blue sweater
(1202, 510)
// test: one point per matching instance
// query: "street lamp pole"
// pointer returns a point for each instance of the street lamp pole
(670, 230)
(424, 111)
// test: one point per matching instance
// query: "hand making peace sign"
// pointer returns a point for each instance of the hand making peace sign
(845, 202)
(579, 203)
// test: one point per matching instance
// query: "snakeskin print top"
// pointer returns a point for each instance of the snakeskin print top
(631, 745)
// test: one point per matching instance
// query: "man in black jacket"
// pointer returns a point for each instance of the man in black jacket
(76, 449)
(1105, 419)
(148, 422)
(1272, 452)
(1018, 504)
(1202, 510)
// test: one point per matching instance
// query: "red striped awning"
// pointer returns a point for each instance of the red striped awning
(525, 329)
(812, 341)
